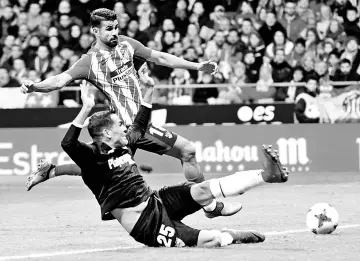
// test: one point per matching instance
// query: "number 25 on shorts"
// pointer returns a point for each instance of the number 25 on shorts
(165, 235)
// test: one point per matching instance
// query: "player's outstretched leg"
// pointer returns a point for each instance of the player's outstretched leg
(184, 150)
(46, 170)
(224, 237)
(240, 182)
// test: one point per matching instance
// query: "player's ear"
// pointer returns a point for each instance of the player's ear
(107, 133)
(95, 30)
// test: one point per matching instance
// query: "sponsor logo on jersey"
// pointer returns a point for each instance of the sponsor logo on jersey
(122, 72)
(120, 161)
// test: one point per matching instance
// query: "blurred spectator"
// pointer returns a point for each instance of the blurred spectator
(154, 26)
(256, 45)
(279, 42)
(336, 32)
(31, 48)
(33, 18)
(85, 43)
(351, 52)
(304, 11)
(19, 71)
(54, 45)
(321, 68)
(33, 76)
(180, 17)
(201, 95)
(291, 21)
(294, 89)
(339, 8)
(16, 53)
(306, 108)
(297, 53)
(282, 72)
(270, 27)
(238, 75)
(246, 30)
(6, 80)
(351, 23)
(64, 28)
(41, 62)
(253, 65)
(198, 15)
(322, 26)
(334, 58)
(263, 92)
(5, 52)
(134, 32)
(344, 74)
(308, 63)
(56, 66)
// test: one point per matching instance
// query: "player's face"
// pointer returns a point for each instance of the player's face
(108, 33)
(118, 131)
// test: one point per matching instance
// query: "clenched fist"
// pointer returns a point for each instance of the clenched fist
(27, 87)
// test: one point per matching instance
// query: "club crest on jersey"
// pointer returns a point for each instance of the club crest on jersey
(120, 161)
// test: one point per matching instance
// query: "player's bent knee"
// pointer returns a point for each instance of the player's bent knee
(201, 193)
(188, 152)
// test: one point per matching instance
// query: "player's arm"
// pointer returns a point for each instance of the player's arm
(138, 128)
(50, 84)
(169, 60)
(79, 152)
(78, 70)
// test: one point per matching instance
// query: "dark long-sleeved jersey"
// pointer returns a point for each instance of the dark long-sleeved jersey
(111, 174)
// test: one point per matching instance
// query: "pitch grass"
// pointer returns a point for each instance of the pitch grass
(62, 215)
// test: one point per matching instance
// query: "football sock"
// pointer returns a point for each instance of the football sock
(68, 169)
(236, 184)
(226, 239)
(211, 206)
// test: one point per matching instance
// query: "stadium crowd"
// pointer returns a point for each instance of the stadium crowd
(258, 42)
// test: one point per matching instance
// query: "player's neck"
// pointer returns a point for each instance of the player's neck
(101, 46)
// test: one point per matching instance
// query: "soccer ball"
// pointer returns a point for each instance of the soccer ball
(322, 218)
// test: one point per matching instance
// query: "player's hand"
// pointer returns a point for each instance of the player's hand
(145, 79)
(27, 87)
(87, 99)
(208, 67)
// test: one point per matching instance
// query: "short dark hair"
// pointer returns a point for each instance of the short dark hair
(335, 52)
(233, 30)
(345, 61)
(313, 76)
(300, 41)
(351, 8)
(5, 68)
(98, 121)
(101, 14)
(247, 20)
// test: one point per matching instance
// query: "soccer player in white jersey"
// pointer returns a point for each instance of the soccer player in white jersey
(109, 66)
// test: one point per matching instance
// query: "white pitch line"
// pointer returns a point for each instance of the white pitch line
(296, 231)
(65, 253)
(87, 251)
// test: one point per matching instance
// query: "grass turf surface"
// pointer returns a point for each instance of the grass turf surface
(58, 219)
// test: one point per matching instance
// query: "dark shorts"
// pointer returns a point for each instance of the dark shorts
(160, 223)
(156, 139)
